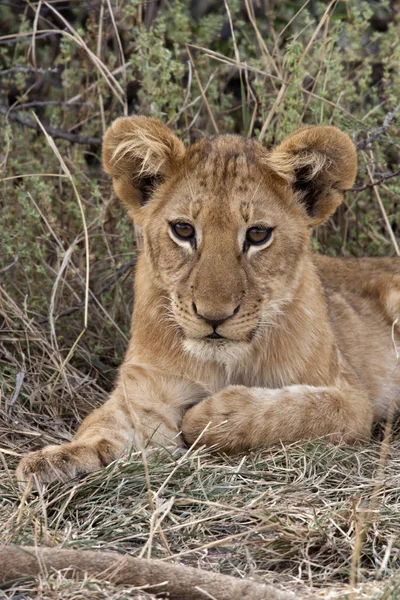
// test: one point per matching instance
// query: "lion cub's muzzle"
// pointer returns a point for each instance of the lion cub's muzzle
(235, 321)
(215, 319)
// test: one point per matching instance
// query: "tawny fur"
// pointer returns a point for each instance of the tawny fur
(309, 342)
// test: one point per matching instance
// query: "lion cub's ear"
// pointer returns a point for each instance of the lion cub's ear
(139, 152)
(320, 163)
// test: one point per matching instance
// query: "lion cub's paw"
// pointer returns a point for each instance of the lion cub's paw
(220, 420)
(58, 463)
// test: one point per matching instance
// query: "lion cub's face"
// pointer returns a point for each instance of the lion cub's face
(226, 225)
(226, 243)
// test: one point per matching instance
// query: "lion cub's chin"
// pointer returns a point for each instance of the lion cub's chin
(222, 351)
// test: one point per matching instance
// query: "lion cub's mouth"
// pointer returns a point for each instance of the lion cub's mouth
(219, 340)
(215, 336)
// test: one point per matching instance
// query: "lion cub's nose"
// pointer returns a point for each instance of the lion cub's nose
(215, 319)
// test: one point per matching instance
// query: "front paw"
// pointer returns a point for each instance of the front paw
(221, 420)
(58, 463)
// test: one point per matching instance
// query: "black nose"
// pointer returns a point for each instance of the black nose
(212, 321)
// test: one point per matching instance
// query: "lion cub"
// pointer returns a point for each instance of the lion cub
(241, 337)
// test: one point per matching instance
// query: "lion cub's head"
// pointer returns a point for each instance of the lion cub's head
(226, 222)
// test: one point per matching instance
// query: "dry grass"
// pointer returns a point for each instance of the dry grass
(292, 515)
(310, 517)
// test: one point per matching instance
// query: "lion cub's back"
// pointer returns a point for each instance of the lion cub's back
(376, 280)
(364, 302)
(339, 269)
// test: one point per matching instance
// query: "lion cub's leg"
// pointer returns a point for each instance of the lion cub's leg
(100, 438)
(240, 418)
(143, 408)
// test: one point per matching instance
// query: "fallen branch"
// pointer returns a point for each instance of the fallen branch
(54, 133)
(176, 581)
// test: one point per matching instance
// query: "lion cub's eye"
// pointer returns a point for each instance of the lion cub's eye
(255, 236)
(183, 231)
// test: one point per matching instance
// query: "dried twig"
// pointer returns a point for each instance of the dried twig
(207, 105)
(29, 70)
(45, 103)
(53, 132)
(385, 177)
(377, 132)
(93, 296)
(15, 38)
(384, 214)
